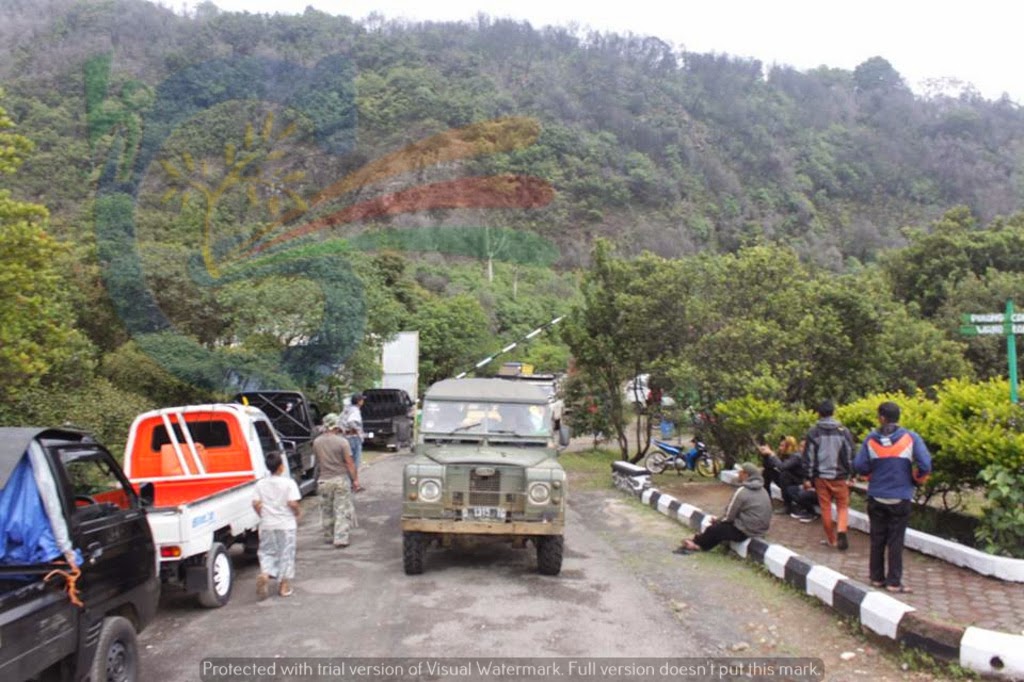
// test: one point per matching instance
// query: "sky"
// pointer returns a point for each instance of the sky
(975, 42)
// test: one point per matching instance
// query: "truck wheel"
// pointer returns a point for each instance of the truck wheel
(413, 547)
(219, 577)
(549, 554)
(117, 654)
(314, 476)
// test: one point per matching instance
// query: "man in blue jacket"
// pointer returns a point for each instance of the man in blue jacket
(897, 461)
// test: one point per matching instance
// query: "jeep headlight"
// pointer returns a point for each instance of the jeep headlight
(539, 493)
(430, 490)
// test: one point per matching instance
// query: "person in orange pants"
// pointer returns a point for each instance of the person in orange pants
(828, 455)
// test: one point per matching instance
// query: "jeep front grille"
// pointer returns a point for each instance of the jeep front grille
(484, 491)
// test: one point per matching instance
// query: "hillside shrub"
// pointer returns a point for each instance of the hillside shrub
(1002, 521)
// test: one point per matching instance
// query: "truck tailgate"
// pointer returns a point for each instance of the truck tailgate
(192, 526)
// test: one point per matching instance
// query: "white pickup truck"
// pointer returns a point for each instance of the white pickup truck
(203, 462)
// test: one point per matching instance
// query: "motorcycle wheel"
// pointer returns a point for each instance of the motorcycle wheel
(708, 467)
(655, 462)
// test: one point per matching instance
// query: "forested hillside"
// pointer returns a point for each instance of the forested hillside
(661, 150)
(199, 203)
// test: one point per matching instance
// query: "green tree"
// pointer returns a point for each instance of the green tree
(626, 324)
(36, 336)
(454, 335)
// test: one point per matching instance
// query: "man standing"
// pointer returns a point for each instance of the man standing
(334, 459)
(890, 455)
(352, 427)
(827, 458)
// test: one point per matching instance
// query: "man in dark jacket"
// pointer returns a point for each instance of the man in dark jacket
(890, 455)
(787, 469)
(827, 457)
(749, 514)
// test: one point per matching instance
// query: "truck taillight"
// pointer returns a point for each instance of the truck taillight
(170, 552)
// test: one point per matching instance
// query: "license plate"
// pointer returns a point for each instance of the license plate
(485, 513)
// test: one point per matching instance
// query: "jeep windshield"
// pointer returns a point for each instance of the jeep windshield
(475, 420)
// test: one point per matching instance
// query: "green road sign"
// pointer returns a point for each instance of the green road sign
(989, 318)
(980, 324)
(988, 329)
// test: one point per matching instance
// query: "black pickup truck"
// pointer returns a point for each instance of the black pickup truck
(43, 634)
(296, 420)
(388, 414)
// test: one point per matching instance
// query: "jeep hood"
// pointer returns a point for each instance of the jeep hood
(491, 454)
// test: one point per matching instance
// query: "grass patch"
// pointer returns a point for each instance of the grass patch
(590, 469)
(589, 461)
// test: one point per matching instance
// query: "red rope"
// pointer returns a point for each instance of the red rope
(70, 582)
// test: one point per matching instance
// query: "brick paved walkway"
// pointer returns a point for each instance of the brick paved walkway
(942, 592)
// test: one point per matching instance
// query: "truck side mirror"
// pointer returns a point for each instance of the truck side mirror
(147, 494)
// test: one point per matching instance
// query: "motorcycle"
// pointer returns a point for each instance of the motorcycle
(674, 456)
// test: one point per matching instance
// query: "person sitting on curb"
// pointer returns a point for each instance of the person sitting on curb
(748, 515)
(787, 470)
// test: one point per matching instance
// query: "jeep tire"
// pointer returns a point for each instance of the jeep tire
(413, 548)
(549, 554)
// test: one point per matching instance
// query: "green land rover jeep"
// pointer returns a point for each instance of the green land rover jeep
(485, 465)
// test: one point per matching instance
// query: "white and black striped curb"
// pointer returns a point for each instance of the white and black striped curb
(1001, 567)
(983, 651)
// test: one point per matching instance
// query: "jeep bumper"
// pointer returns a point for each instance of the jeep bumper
(483, 527)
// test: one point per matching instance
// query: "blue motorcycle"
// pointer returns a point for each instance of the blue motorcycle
(698, 458)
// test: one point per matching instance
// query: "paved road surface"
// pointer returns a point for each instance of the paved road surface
(484, 601)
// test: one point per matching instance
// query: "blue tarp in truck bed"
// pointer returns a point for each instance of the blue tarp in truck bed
(25, 533)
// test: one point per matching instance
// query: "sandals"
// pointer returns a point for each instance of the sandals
(899, 589)
(285, 589)
(262, 586)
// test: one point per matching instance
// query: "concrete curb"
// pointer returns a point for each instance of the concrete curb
(983, 651)
(1004, 568)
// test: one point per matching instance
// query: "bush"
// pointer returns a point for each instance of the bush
(742, 422)
(967, 427)
(98, 407)
(1002, 522)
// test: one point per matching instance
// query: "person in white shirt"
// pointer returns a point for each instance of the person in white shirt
(352, 429)
(276, 500)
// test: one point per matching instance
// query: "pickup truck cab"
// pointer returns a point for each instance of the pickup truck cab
(204, 461)
(296, 421)
(62, 482)
(485, 465)
(388, 415)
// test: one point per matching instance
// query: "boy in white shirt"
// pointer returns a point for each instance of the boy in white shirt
(277, 502)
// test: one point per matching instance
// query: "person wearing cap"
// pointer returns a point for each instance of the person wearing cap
(352, 428)
(337, 476)
(748, 515)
